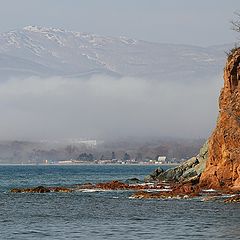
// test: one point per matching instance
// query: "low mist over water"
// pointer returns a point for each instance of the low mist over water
(103, 106)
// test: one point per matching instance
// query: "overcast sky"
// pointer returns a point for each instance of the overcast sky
(204, 22)
(36, 108)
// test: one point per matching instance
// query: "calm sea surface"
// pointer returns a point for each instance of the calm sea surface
(104, 215)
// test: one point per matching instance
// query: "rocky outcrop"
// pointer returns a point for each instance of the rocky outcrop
(223, 164)
(189, 171)
(112, 185)
(117, 185)
(218, 163)
(186, 190)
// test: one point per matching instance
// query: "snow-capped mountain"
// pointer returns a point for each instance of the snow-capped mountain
(41, 51)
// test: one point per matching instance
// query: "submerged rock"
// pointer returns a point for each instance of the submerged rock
(149, 195)
(113, 185)
(234, 199)
(85, 186)
(60, 189)
(177, 191)
(40, 189)
(117, 185)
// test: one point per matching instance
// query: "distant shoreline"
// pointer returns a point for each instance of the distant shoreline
(86, 164)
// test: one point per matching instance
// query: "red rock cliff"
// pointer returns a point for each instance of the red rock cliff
(223, 164)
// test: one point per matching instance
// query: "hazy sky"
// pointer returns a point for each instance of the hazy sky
(57, 107)
(204, 22)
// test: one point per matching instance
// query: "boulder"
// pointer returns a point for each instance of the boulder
(154, 175)
(133, 181)
(188, 171)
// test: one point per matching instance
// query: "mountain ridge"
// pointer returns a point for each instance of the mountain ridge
(59, 52)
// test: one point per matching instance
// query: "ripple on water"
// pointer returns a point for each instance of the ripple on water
(105, 215)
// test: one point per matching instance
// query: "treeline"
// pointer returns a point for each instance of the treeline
(33, 152)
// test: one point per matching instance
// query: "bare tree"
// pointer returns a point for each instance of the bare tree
(236, 23)
(235, 27)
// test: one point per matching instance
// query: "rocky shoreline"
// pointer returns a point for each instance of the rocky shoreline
(149, 190)
(217, 166)
(214, 174)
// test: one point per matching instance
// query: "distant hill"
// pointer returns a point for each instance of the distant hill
(44, 52)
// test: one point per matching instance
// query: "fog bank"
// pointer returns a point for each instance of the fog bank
(99, 107)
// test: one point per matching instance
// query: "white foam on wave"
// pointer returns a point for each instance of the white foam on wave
(159, 190)
(92, 190)
(209, 190)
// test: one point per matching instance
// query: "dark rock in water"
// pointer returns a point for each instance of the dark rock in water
(60, 189)
(178, 191)
(150, 195)
(40, 189)
(85, 186)
(189, 170)
(16, 190)
(133, 181)
(234, 199)
(113, 185)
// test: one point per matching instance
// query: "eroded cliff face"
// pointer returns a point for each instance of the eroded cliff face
(223, 164)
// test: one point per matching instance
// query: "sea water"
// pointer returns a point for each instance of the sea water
(106, 214)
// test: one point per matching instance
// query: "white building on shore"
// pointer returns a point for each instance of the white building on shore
(162, 159)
